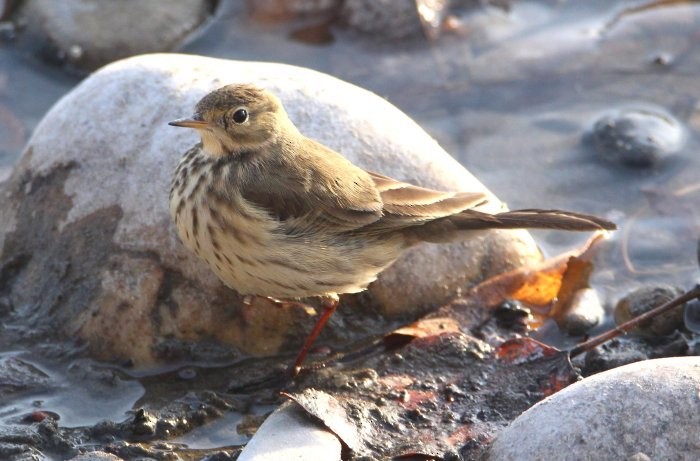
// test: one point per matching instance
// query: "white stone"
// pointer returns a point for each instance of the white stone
(649, 407)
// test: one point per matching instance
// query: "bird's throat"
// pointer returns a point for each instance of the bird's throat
(214, 146)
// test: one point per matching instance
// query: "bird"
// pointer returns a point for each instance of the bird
(279, 215)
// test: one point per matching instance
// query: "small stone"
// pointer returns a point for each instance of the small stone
(513, 315)
(645, 299)
(640, 138)
(390, 19)
(662, 60)
(584, 313)
(144, 423)
(691, 316)
(187, 374)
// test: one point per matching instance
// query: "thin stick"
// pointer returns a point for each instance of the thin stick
(630, 324)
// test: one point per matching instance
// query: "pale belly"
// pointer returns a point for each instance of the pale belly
(249, 253)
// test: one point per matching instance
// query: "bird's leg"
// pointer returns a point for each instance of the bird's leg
(330, 304)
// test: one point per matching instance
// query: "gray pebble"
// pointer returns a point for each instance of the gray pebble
(639, 138)
(645, 299)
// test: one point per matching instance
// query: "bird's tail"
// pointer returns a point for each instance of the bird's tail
(451, 228)
(531, 219)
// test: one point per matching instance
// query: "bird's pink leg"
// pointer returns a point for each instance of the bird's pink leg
(330, 304)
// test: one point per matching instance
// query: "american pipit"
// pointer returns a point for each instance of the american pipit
(276, 214)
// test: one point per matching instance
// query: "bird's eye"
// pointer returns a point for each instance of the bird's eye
(240, 116)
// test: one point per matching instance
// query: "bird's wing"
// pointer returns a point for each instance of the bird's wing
(405, 204)
(315, 188)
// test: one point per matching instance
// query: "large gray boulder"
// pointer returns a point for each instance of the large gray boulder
(647, 408)
(86, 242)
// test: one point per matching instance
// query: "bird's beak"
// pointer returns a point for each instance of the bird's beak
(189, 123)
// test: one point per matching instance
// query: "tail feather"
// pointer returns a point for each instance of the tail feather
(453, 228)
(530, 219)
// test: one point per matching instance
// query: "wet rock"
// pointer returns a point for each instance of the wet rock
(645, 299)
(283, 9)
(391, 19)
(19, 452)
(691, 316)
(18, 376)
(289, 433)
(513, 315)
(629, 349)
(612, 415)
(585, 312)
(20, 442)
(88, 249)
(86, 34)
(637, 137)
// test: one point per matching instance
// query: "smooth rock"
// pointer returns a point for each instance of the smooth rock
(637, 137)
(645, 299)
(290, 434)
(389, 19)
(88, 247)
(86, 34)
(691, 316)
(585, 312)
(648, 407)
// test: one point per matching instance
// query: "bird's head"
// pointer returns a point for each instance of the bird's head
(237, 118)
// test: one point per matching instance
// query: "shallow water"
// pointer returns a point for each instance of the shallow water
(511, 95)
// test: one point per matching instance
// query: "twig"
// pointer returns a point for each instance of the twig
(630, 324)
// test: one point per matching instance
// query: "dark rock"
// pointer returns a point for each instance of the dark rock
(691, 316)
(391, 19)
(629, 349)
(643, 300)
(639, 138)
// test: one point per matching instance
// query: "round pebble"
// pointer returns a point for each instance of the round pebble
(390, 19)
(584, 313)
(645, 299)
(639, 138)
(691, 316)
